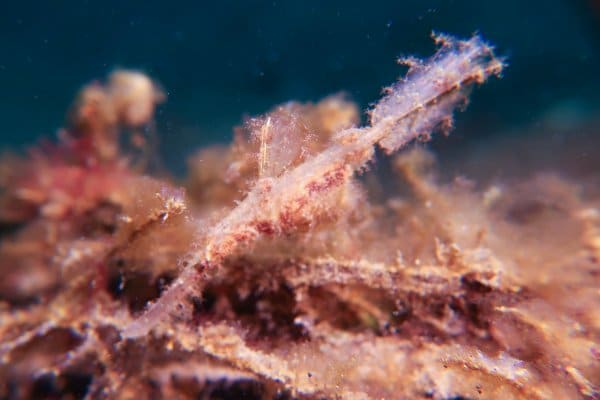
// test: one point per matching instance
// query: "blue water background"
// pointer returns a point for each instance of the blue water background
(221, 60)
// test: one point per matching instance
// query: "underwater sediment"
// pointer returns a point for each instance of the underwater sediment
(279, 268)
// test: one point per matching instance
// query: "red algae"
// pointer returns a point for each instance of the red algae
(271, 272)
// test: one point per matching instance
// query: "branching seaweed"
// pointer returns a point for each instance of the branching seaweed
(276, 273)
(299, 198)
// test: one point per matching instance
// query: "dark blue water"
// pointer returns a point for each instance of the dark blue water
(221, 60)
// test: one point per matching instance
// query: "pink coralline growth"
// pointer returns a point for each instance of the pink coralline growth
(276, 270)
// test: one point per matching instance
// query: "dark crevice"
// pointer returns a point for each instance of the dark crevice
(65, 386)
(245, 389)
(137, 288)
